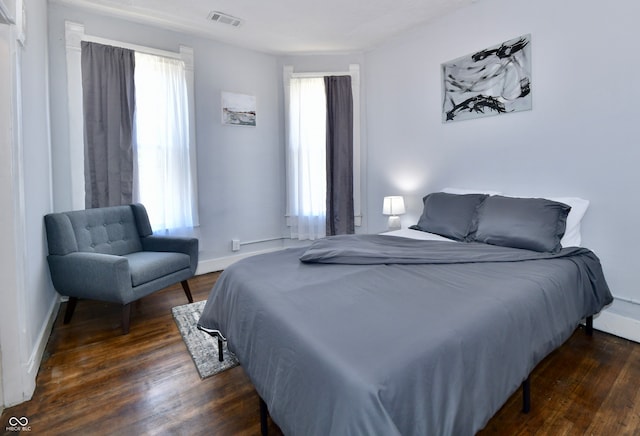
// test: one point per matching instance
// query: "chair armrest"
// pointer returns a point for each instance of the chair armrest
(178, 244)
(94, 276)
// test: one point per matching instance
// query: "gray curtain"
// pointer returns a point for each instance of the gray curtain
(340, 219)
(109, 103)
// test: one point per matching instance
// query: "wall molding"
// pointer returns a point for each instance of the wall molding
(220, 263)
(14, 328)
(32, 366)
(74, 33)
(617, 324)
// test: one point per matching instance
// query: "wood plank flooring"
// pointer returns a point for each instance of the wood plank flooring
(95, 381)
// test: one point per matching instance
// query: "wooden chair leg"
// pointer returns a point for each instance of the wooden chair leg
(187, 291)
(126, 317)
(71, 306)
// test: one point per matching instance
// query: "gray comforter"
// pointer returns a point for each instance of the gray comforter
(379, 335)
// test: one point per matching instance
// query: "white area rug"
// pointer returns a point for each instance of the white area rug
(202, 347)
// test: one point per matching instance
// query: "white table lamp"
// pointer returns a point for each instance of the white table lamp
(393, 206)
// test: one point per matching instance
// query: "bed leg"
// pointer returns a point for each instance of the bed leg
(214, 333)
(264, 430)
(526, 395)
(220, 351)
(589, 325)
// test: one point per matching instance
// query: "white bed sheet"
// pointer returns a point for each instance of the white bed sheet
(417, 234)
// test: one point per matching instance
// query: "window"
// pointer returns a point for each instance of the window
(157, 164)
(162, 155)
(305, 120)
(306, 158)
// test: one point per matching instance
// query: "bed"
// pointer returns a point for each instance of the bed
(415, 332)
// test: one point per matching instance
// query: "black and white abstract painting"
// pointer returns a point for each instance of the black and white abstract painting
(493, 81)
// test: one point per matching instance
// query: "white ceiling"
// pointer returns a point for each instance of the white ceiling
(283, 26)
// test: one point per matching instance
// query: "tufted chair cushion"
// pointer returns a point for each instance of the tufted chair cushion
(109, 230)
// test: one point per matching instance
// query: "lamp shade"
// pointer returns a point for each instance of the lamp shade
(393, 205)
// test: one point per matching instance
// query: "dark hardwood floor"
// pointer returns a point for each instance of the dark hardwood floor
(93, 380)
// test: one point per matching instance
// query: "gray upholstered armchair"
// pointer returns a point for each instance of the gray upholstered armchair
(110, 254)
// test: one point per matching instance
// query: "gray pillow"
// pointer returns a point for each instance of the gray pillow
(531, 223)
(449, 215)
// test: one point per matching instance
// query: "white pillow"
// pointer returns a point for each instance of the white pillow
(572, 236)
(463, 191)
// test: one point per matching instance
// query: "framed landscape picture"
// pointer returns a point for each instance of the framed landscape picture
(238, 109)
(493, 81)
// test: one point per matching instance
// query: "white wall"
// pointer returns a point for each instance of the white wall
(240, 169)
(27, 297)
(41, 296)
(580, 139)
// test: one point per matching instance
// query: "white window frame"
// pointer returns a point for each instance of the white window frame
(74, 35)
(354, 72)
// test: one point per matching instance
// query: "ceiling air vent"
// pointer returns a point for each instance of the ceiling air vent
(221, 17)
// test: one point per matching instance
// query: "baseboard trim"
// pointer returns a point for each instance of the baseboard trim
(220, 263)
(32, 366)
(29, 369)
(618, 325)
(43, 336)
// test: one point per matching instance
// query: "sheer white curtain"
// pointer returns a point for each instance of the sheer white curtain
(306, 164)
(165, 182)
